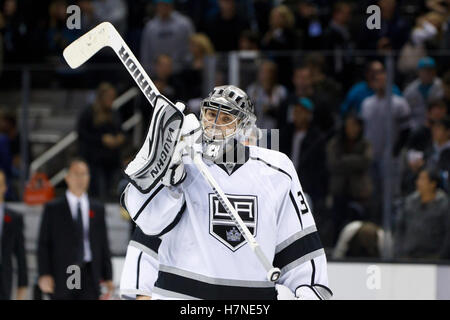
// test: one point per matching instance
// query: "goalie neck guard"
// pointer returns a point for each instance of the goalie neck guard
(227, 114)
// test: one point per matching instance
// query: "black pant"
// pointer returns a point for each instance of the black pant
(89, 289)
(102, 178)
(345, 210)
(3, 295)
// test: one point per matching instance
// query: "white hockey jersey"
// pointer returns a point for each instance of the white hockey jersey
(202, 254)
(140, 268)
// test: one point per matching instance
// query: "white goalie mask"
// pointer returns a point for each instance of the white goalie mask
(226, 114)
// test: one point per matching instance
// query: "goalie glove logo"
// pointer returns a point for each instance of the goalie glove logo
(222, 227)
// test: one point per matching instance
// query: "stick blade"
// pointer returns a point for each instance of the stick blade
(82, 49)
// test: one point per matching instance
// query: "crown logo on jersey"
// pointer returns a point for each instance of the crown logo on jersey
(233, 235)
(221, 225)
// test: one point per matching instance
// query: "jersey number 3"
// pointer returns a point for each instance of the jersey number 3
(304, 207)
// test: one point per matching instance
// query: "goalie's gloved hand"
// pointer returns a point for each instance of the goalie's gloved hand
(190, 141)
(304, 292)
(153, 160)
(314, 292)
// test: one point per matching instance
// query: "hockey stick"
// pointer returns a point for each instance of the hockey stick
(105, 35)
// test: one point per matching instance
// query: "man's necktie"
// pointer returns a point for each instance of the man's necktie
(80, 234)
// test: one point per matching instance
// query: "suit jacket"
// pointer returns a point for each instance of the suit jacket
(312, 169)
(57, 248)
(12, 244)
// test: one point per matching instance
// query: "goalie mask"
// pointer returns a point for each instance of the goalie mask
(227, 114)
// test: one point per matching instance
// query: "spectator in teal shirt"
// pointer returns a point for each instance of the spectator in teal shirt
(426, 89)
(364, 89)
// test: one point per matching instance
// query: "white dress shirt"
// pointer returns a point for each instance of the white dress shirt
(73, 205)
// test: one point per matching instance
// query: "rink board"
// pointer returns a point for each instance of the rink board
(350, 281)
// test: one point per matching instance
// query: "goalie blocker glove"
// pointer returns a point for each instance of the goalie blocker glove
(190, 142)
(155, 157)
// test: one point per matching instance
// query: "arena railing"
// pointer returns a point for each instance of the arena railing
(72, 137)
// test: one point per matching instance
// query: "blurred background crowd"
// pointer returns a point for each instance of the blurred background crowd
(363, 114)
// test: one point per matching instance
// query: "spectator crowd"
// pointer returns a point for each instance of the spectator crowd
(320, 77)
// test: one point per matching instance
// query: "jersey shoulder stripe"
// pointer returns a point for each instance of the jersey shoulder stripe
(273, 159)
(174, 222)
(150, 242)
(306, 246)
(176, 284)
(160, 187)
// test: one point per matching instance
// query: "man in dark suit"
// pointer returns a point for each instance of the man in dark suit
(73, 251)
(304, 144)
(11, 243)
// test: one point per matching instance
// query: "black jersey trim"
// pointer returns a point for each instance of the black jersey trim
(325, 289)
(322, 292)
(313, 273)
(296, 208)
(160, 187)
(138, 270)
(310, 288)
(298, 249)
(122, 202)
(174, 222)
(238, 158)
(151, 242)
(271, 166)
(224, 168)
(202, 290)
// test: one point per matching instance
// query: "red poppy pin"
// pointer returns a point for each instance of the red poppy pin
(7, 219)
(91, 214)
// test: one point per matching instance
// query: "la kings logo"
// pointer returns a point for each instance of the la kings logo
(222, 227)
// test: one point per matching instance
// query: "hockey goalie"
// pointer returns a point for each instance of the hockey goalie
(198, 251)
